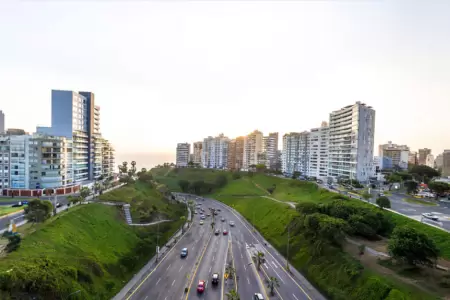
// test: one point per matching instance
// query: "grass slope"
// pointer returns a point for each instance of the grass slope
(337, 274)
(90, 248)
(146, 203)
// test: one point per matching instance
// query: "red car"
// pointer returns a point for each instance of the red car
(201, 286)
(225, 232)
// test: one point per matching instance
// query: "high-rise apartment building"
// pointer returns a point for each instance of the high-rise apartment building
(215, 152)
(253, 146)
(2, 122)
(76, 117)
(318, 152)
(439, 161)
(429, 161)
(269, 151)
(422, 156)
(412, 158)
(295, 153)
(197, 153)
(351, 142)
(398, 153)
(446, 163)
(183, 154)
(236, 153)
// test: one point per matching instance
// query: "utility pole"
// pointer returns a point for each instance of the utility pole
(157, 241)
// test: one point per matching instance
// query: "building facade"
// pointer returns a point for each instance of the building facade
(295, 153)
(439, 161)
(215, 152)
(446, 163)
(253, 146)
(270, 150)
(412, 158)
(351, 142)
(318, 152)
(422, 156)
(197, 153)
(76, 117)
(183, 155)
(2, 122)
(429, 161)
(399, 154)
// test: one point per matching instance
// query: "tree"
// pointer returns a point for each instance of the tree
(184, 185)
(236, 175)
(14, 241)
(411, 186)
(424, 173)
(272, 283)
(261, 168)
(250, 174)
(408, 245)
(84, 193)
(182, 218)
(258, 258)
(221, 180)
(230, 271)
(132, 170)
(296, 174)
(383, 202)
(190, 164)
(123, 169)
(38, 210)
(233, 295)
(393, 178)
(439, 187)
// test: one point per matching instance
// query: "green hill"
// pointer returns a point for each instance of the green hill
(90, 249)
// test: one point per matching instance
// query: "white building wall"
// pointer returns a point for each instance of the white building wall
(183, 152)
(351, 142)
(318, 152)
(253, 144)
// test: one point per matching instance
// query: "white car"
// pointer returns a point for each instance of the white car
(258, 296)
(430, 216)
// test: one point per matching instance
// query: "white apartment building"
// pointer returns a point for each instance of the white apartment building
(351, 142)
(253, 146)
(295, 153)
(398, 153)
(183, 154)
(269, 153)
(215, 152)
(2, 122)
(318, 152)
(197, 153)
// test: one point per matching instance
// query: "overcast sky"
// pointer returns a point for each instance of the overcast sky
(173, 71)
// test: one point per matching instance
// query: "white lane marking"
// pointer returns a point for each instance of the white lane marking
(279, 277)
(245, 268)
(295, 297)
(213, 257)
(173, 282)
(169, 267)
(266, 266)
(210, 269)
(274, 264)
(145, 297)
(158, 281)
(165, 298)
(248, 280)
(180, 268)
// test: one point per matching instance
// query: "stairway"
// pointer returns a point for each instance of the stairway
(126, 209)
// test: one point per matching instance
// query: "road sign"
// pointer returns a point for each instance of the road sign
(225, 275)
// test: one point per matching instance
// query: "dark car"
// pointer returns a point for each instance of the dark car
(17, 204)
(215, 278)
(217, 232)
(184, 252)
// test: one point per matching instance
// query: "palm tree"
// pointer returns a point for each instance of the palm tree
(233, 295)
(272, 283)
(182, 218)
(133, 168)
(259, 259)
(230, 271)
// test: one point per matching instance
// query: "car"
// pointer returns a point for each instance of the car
(184, 252)
(225, 232)
(231, 223)
(215, 278)
(195, 213)
(201, 222)
(216, 213)
(208, 215)
(223, 219)
(201, 286)
(19, 204)
(258, 296)
(58, 204)
(430, 216)
(381, 195)
(217, 232)
(202, 217)
(218, 209)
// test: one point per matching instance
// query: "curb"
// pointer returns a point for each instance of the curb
(10, 214)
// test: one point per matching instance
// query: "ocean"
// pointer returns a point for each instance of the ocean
(145, 160)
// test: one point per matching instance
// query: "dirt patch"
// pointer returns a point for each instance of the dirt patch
(427, 279)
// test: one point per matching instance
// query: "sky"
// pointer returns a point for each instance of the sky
(166, 72)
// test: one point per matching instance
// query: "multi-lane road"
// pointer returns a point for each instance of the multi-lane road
(177, 278)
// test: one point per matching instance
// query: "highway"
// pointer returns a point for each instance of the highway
(210, 253)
